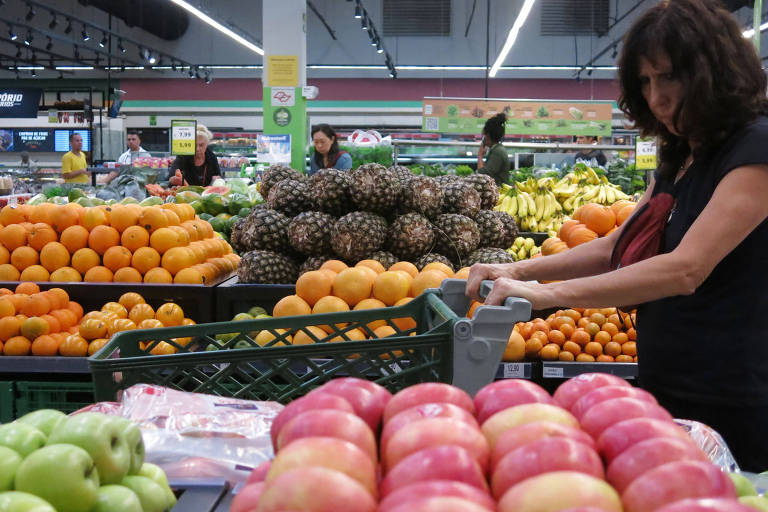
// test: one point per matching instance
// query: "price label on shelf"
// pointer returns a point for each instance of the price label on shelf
(514, 370)
(183, 137)
(552, 372)
(645, 153)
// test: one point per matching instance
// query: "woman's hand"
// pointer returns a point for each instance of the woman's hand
(532, 291)
(480, 272)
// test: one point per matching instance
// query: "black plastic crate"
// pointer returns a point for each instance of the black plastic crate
(233, 297)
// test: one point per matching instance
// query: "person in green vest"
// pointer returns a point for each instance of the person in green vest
(496, 162)
(73, 164)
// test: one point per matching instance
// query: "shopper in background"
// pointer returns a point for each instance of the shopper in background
(73, 164)
(24, 159)
(134, 151)
(327, 153)
(701, 286)
(592, 157)
(202, 167)
(496, 163)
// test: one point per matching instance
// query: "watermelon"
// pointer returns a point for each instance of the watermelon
(187, 196)
(244, 212)
(222, 191)
(214, 204)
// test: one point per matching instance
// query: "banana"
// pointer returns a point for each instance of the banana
(522, 206)
(539, 201)
(610, 195)
(512, 209)
(601, 195)
(531, 204)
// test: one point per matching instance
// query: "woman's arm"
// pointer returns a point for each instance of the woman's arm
(344, 163)
(736, 208)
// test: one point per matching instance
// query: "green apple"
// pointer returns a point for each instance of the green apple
(157, 474)
(21, 437)
(241, 317)
(102, 438)
(62, 474)
(9, 463)
(756, 502)
(45, 420)
(256, 311)
(132, 434)
(116, 498)
(743, 486)
(151, 495)
(15, 501)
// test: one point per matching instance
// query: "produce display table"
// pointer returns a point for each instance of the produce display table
(201, 495)
(43, 365)
(567, 370)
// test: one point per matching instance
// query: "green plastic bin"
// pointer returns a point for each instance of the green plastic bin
(6, 402)
(63, 396)
(438, 346)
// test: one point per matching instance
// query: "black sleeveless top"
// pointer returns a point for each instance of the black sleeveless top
(712, 346)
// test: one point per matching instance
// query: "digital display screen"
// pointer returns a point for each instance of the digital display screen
(33, 140)
(62, 139)
(6, 140)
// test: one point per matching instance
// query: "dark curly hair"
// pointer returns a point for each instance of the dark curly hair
(494, 127)
(722, 80)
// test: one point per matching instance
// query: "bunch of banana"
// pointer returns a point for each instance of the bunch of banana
(604, 193)
(523, 248)
(533, 204)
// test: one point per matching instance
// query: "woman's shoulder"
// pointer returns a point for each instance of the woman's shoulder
(345, 160)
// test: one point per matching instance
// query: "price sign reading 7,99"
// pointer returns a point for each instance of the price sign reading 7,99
(183, 137)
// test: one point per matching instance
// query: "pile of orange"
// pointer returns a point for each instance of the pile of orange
(38, 323)
(336, 288)
(584, 335)
(589, 222)
(130, 312)
(120, 243)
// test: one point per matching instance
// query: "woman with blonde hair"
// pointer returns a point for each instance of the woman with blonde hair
(202, 167)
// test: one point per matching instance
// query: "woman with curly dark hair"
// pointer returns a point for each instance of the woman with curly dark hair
(496, 163)
(693, 255)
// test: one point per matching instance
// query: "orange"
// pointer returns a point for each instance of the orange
(406, 267)
(330, 304)
(426, 279)
(598, 318)
(75, 308)
(550, 352)
(130, 299)
(33, 327)
(6, 308)
(121, 217)
(23, 257)
(632, 334)
(54, 255)
(34, 273)
(173, 219)
(176, 259)
(170, 314)
(183, 236)
(67, 319)
(8, 272)
(65, 275)
(572, 313)
(5, 291)
(17, 346)
(134, 237)
(334, 265)
(620, 338)
(292, 305)
(621, 358)
(573, 348)
(13, 214)
(593, 348)
(27, 226)
(350, 335)
(152, 218)
(561, 320)
(592, 328)
(613, 318)
(541, 336)
(515, 350)
(41, 213)
(372, 304)
(192, 230)
(603, 358)
(581, 337)
(27, 288)
(610, 328)
(37, 305)
(127, 275)
(117, 308)
(44, 346)
(117, 257)
(163, 239)
(98, 274)
(442, 267)
(556, 337)
(74, 238)
(120, 325)
(532, 347)
(566, 356)
(141, 312)
(540, 325)
(629, 348)
(73, 346)
(53, 324)
(150, 323)
(64, 217)
(40, 235)
(472, 308)
(602, 338)
(96, 345)
(313, 285)
(585, 358)
(384, 331)
(92, 217)
(305, 336)
(612, 348)
(92, 329)
(199, 252)
(158, 275)
(205, 228)
(9, 327)
(102, 238)
(144, 259)
(374, 265)
(462, 273)
(352, 285)
(5, 255)
(391, 286)
(404, 323)
(189, 276)
(13, 236)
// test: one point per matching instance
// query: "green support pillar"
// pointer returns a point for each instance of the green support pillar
(757, 20)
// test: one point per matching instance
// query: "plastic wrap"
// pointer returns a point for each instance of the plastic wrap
(711, 442)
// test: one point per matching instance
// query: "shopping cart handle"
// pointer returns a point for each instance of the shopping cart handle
(510, 302)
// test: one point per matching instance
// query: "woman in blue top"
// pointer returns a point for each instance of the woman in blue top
(327, 154)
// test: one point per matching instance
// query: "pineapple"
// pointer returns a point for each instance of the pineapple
(492, 229)
(263, 229)
(410, 236)
(422, 195)
(329, 190)
(510, 230)
(431, 258)
(310, 233)
(445, 179)
(387, 259)
(313, 263)
(489, 255)
(457, 236)
(267, 267)
(486, 187)
(461, 198)
(289, 197)
(276, 173)
(375, 188)
(404, 174)
(357, 235)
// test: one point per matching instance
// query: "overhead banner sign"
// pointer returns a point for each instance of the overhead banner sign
(645, 153)
(524, 117)
(19, 103)
(183, 137)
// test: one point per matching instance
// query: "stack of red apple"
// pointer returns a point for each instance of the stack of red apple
(88, 462)
(513, 448)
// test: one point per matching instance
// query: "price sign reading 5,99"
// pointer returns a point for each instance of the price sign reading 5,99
(183, 137)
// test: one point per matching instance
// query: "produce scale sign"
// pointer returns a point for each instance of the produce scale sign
(183, 137)
(524, 117)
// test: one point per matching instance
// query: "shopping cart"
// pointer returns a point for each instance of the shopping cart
(433, 342)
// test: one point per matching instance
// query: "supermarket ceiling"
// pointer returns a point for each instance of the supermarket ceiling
(345, 38)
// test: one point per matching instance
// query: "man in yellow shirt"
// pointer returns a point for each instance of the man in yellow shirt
(73, 164)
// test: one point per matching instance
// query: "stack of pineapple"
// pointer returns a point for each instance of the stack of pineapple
(373, 212)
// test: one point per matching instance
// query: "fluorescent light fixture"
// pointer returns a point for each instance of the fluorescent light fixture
(73, 68)
(519, 22)
(343, 66)
(218, 26)
(751, 32)
(28, 68)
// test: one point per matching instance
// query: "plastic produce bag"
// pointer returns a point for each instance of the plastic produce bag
(711, 443)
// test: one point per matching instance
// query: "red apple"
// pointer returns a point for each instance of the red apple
(583, 509)
(440, 504)
(426, 393)
(315, 489)
(598, 395)
(522, 414)
(501, 394)
(649, 454)
(315, 400)
(676, 481)
(327, 452)
(610, 412)
(431, 432)
(432, 488)
(439, 463)
(259, 473)
(330, 423)
(571, 390)
(544, 456)
(560, 490)
(421, 412)
(706, 505)
(366, 397)
(620, 436)
(524, 434)
(248, 498)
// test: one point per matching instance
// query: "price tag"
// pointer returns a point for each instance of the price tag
(183, 137)
(552, 372)
(645, 153)
(514, 371)
(395, 368)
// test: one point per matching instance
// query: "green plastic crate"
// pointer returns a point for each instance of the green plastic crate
(6, 402)
(63, 396)
(442, 347)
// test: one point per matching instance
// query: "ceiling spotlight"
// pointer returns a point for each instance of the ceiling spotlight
(49, 45)
(589, 72)
(152, 59)
(365, 22)
(208, 78)
(54, 22)
(120, 46)
(11, 34)
(103, 41)
(34, 73)
(85, 35)
(30, 13)
(358, 11)
(379, 48)
(28, 38)
(374, 39)
(69, 26)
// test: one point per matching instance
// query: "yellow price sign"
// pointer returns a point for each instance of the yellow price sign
(645, 154)
(183, 137)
